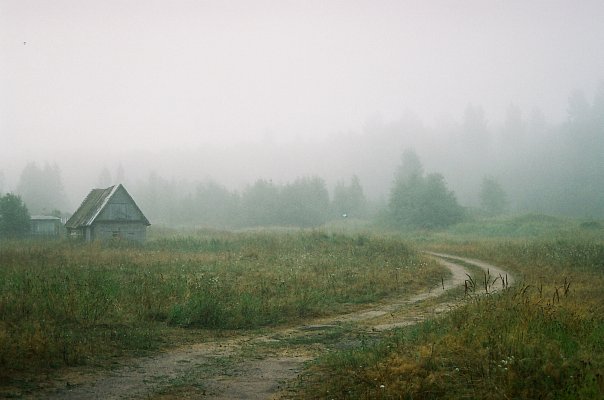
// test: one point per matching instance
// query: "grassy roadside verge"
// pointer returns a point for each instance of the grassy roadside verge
(539, 339)
(64, 305)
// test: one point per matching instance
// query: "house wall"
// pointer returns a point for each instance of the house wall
(109, 230)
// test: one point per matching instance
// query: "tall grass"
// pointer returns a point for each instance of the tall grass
(540, 339)
(64, 304)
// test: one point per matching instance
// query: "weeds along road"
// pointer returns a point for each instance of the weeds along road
(259, 366)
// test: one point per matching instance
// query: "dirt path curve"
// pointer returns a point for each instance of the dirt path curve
(263, 374)
(495, 272)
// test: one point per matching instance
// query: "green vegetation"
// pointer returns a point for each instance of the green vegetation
(523, 226)
(65, 304)
(305, 203)
(418, 201)
(539, 339)
(349, 200)
(14, 217)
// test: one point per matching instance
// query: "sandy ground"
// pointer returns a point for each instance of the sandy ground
(220, 370)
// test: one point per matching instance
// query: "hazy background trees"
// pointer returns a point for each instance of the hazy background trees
(349, 199)
(259, 203)
(492, 197)
(531, 165)
(212, 204)
(41, 188)
(304, 202)
(559, 169)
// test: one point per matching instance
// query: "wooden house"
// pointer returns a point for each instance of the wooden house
(106, 214)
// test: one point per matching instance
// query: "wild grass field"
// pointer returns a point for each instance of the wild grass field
(541, 339)
(65, 304)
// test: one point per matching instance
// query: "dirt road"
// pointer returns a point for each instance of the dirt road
(258, 366)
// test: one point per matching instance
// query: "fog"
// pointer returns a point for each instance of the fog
(191, 92)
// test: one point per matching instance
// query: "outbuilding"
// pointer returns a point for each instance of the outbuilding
(107, 214)
(45, 226)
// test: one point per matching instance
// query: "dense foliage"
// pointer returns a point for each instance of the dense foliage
(14, 217)
(418, 201)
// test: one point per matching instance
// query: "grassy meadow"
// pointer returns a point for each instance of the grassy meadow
(66, 304)
(541, 339)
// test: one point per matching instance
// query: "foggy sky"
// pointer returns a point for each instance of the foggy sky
(93, 81)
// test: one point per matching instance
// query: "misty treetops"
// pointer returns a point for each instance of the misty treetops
(417, 200)
(305, 202)
(525, 165)
(421, 201)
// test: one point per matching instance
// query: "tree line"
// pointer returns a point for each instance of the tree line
(304, 202)
(522, 165)
(417, 200)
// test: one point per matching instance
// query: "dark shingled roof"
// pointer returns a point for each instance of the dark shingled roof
(89, 207)
(92, 206)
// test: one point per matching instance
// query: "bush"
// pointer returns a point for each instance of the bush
(14, 217)
(424, 202)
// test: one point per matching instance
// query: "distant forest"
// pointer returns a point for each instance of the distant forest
(525, 164)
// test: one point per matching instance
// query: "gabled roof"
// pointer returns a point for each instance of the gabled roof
(94, 204)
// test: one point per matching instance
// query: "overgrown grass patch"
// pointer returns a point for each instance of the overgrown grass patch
(64, 304)
(539, 339)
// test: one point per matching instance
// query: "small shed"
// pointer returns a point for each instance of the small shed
(106, 214)
(45, 226)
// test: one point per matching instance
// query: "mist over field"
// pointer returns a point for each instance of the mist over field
(197, 105)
